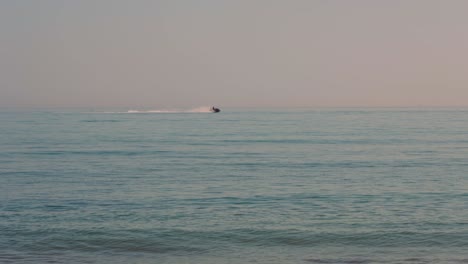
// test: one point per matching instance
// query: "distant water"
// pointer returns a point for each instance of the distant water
(260, 186)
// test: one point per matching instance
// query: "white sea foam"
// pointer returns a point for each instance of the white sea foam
(202, 109)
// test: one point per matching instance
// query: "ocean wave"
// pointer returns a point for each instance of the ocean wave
(163, 241)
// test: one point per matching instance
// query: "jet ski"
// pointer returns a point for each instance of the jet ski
(214, 110)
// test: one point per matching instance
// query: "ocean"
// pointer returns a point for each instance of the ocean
(324, 185)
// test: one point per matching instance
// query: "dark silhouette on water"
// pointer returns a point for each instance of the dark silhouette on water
(214, 109)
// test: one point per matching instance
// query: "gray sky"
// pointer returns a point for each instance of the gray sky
(236, 53)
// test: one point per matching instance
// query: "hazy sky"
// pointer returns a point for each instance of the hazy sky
(233, 53)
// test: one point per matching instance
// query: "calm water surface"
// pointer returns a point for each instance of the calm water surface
(261, 186)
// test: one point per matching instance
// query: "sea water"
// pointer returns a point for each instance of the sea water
(344, 185)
